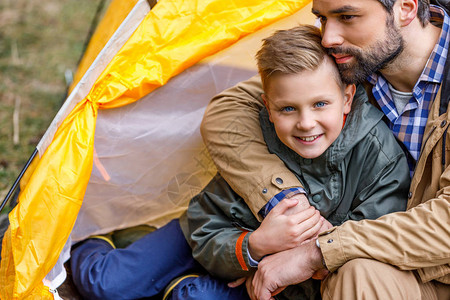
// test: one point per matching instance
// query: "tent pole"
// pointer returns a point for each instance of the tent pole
(152, 3)
(16, 183)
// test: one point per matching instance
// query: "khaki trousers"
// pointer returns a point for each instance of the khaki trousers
(369, 279)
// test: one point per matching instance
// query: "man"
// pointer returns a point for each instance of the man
(401, 50)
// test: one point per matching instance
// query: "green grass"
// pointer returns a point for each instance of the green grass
(39, 41)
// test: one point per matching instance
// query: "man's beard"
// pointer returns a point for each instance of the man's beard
(377, 57)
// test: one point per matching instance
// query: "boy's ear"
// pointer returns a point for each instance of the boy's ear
(349, 93)
(266, 103)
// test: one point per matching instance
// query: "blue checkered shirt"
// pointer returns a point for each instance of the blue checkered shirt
(278, 197)
(408, 126)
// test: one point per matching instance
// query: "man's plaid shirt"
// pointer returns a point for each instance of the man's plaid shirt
(408, 126)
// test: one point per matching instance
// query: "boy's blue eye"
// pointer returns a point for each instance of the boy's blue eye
(320, 104)
(287, 109)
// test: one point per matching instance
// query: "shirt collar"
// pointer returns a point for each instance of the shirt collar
(433, 71)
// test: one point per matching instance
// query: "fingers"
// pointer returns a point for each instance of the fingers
(302, 204)
(310, 216)
(283, 206)
(263, 284)
(320, 274)
(311, 226)
(250, 290)
(278, 290)
(237, 282)
(326, 225)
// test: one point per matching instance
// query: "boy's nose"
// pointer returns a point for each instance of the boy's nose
(306, 122)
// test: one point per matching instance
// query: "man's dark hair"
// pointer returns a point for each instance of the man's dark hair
(423, 10)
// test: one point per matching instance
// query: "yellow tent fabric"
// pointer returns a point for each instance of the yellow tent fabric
(116, 13)
(174, 36)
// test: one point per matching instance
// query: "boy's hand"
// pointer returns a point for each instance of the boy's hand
(303, 204)
(325, 226)
(286, 226)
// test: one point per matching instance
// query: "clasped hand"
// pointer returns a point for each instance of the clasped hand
(283, 240)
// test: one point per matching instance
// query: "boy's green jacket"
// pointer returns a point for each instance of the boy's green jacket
(362, 175)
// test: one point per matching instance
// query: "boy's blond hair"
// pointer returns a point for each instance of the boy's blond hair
(291, 52)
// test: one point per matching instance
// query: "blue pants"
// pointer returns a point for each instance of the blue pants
(207, 287)
(144, 269)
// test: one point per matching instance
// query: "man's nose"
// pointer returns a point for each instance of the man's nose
(331, 35)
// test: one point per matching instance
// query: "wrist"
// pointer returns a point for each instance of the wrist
(323, 259)
(254, 248)
(317, 257)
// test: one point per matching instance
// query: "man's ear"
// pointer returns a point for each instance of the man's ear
(406, 11)
(266, 103)
(349, 93)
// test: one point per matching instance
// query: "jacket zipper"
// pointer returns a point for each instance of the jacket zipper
(443, 148)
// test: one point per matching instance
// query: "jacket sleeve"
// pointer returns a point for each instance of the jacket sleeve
(232, 134)
(409, 244)
(217, 226)
(383, 181)
(417, 239)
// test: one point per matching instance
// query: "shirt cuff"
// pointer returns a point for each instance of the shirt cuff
(278, 197)
(252, 262)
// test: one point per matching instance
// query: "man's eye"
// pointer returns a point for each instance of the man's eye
(287, 109)
(322, 19)
(347, 17)
(320, 104)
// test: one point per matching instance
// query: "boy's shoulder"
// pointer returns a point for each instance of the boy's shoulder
(366, 125)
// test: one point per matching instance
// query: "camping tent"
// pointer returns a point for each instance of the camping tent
(125, 148)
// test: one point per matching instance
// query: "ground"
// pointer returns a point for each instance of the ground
(40, 42)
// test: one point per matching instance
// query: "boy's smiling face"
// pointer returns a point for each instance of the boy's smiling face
(308, 108)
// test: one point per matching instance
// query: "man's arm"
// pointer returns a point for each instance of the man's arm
(231, 131)
(418, 238)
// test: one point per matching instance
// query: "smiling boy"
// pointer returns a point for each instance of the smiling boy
(314, 122)
(308, 108)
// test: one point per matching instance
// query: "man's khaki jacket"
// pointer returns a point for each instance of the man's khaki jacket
(417, 239)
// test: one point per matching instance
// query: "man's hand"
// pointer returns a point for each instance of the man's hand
(286, 226)
(302, 204)
(277, 271)
(248, 284)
